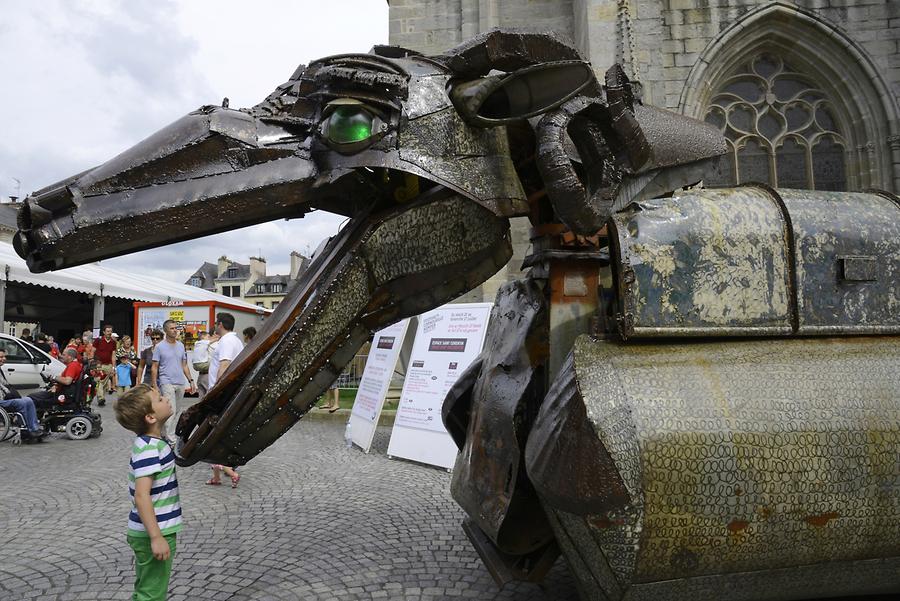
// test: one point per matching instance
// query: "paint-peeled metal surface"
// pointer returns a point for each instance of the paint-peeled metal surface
(704, 263)
(754, 261)
(757, 469)
(834, 230)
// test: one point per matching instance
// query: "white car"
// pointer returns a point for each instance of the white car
(25, 362)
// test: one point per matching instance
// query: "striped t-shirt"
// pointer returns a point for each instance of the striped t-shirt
(152, 457)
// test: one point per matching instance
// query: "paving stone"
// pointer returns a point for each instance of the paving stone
(310, 521)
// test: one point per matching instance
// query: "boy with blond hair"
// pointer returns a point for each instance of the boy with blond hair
(156, 513)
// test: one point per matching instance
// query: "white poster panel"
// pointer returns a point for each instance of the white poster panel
(189, 321)
(447, 340)
(149, 319)
(376, 380)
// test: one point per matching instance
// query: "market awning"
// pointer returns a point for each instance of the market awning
(99, 280)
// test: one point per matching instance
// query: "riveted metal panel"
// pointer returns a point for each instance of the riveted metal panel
(710, 262)
(746, 462)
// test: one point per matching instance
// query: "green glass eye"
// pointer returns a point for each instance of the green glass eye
(348, 124)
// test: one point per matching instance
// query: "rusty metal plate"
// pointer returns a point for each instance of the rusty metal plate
(746, 462)
(858, 269)
(489, 479)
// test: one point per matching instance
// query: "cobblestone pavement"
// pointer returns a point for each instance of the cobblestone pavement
(310, 520)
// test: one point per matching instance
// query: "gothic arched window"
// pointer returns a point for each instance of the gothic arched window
(780, 129)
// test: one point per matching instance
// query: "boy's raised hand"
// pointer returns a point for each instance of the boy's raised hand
(160, 548)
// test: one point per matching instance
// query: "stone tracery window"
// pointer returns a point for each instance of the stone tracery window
(780, 129)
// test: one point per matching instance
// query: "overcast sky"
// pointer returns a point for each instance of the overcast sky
(83, 80)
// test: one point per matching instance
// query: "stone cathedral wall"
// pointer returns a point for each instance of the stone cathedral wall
(677, 47)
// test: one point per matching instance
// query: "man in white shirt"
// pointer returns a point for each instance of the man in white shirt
(227, 349)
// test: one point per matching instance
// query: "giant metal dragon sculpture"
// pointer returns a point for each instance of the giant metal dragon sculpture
(689, 396)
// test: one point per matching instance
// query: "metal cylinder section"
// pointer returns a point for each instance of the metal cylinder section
(751, 261)
(753, 469)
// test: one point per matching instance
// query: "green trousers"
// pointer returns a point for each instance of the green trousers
(151, 576)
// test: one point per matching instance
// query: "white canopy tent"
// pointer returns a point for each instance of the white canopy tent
(100, 282)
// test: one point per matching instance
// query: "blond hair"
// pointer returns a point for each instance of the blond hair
(132, 407)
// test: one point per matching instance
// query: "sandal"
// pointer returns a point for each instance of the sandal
(214, 482)
(235, 479)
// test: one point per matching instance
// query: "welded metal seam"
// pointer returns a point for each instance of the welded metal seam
(791, 252)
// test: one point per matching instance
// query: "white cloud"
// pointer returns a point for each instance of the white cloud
(85, 80)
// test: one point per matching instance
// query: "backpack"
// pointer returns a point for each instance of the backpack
(201, 359)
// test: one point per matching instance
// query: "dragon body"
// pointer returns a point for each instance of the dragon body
(690, 395)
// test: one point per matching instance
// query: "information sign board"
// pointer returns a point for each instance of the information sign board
(376, 380)
(447, 340)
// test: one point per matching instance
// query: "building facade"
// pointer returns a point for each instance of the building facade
(248, 282)
(806, 91)
(205, 277)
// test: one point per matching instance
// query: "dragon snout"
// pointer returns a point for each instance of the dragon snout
(42, 214)
(212, 170)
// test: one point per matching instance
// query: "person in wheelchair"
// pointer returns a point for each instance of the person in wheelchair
(13, 401)
(45, 400)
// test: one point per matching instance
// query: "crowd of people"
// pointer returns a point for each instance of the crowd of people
(111, 359)
(30, 405)
(116, 367)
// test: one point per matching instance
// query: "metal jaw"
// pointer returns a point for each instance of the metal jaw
(378, 270)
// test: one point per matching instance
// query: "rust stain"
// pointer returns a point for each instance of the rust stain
(764, 512)
(571, 239)
(538, 350)
(738, 491)
(587, 271)
(737, 526)
(822, 519)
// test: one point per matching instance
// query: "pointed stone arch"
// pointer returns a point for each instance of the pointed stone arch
(864, 109)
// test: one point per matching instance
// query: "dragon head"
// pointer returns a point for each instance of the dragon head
(428, 156)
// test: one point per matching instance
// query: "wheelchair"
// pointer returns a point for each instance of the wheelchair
(12, 423)
(67, 412)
